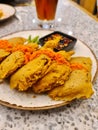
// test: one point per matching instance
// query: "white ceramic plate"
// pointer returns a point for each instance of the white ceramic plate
(8, 11)
(26, 101)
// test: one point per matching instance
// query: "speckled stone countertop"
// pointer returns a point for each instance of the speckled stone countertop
(79, 115)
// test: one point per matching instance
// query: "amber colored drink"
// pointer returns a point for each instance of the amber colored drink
(46, 9)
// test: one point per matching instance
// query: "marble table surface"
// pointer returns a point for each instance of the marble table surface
(79, 115)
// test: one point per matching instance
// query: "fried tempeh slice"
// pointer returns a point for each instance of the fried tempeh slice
(56, 76)
(33, 46)
(16, 40)
(3, 54)
(27, 75)
(67, 55)
(11, 64)
(10, 42)
(78, 85)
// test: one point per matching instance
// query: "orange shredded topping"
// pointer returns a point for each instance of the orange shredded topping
(26, 49)
(30, 54)
(23, 48)
(53, 55)
(27, 57)
(4, 44)
(77, 66)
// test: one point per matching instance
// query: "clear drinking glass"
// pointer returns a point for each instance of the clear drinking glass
(46, 11)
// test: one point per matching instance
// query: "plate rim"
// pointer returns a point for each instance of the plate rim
(7, 104)
(11, 15)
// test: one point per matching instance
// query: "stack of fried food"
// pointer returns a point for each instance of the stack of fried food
(42, 70)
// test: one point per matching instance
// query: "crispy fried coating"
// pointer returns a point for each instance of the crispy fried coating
(52, 43)
(34, 46)
(78, 85)
(11, 64)
(16, 40)
(3, 54)
(67, 55)
(85, 61)
(27, 75)
(57, 74)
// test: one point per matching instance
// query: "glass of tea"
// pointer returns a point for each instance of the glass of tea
(46, 11)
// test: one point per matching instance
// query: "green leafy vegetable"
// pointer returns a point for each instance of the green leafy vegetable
(33, 40)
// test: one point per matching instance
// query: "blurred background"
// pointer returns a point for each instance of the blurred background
(17, 2)
(91, 6)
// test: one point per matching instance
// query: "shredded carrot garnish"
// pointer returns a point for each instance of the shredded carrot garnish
(4, 44)
(26, 49)
(27, 57)
(75, 66)
(61, 59)
(23, 48)
(53, 55)
(30, 54)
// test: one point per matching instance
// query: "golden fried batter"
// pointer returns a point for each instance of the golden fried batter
(11, 64)
(78, 85)
(67, 55)
(27, 75)
(52, 43)
(3, 54)
(56, 76)
(34, 46)
(16, 40)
